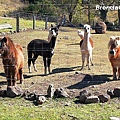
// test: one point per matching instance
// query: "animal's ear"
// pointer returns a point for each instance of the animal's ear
(117, 38)
(51, 25)
(112, 37)
(58, 26)
(5, 39)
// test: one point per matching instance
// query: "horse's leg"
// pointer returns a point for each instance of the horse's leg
(29, 60)
(48, 64)
(8, 75)
(33, 61)
(45, 65)
(21, 75)
(88, 61)
(83, 60)
(13, 80)
(91, 58)
(114, 73)
(119, 73)
(9, 81)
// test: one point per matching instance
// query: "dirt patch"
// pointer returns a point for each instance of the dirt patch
(75, 83)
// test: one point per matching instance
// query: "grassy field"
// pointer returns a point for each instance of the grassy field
(65, 62)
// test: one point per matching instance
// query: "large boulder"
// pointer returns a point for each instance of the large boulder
(104, 98)
(92, 99)
(83, 96)
(60, 92)
(13, 91)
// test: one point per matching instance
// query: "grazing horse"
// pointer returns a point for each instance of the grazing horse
(12, 59)
(114, 55)
(86, 46)
(43, 48)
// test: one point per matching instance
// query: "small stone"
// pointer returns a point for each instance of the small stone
(50, 91)
(83, 95)
(13, 91)
(114, 118)
(110, 93)
(60, 92)
(104, 98)
(40, 100)
(116, 92)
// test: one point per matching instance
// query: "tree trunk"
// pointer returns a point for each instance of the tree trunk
(103, 15)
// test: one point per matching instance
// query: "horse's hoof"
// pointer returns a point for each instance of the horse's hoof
(92, 64)
(81, 68)
(89, 69)
(114, 78)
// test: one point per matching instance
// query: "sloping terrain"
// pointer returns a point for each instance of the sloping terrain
(7, 6)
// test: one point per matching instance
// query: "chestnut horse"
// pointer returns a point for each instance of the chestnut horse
(12, 59)
(114, 55)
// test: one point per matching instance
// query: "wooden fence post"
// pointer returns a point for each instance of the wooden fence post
(34, 18)
(17, 22)
(46, 20)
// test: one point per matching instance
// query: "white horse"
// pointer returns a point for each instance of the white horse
(86, 46)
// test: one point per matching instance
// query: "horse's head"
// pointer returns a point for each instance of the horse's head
(53, 31)
(113, 44)
(87, 28)
(3, 46)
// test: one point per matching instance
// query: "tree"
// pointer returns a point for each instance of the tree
(67, 6)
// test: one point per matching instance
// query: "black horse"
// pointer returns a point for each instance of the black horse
(43, 48)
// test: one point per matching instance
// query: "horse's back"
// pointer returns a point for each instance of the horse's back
(38, 47)
(19, 55)
(36, 42)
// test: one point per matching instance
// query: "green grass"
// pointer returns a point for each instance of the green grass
(23, 25)
(19, 109)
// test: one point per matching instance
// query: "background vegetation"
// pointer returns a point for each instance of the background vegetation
(76, 11)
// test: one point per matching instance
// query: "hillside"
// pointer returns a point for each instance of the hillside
(9, 6)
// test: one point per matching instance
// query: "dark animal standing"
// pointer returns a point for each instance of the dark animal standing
(43, 48)
(13, 60)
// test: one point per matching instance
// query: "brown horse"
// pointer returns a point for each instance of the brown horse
(13, 60)
(114, 55)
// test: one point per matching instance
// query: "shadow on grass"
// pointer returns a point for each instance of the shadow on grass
(54, 71)
(89, 80)
(62, 70)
